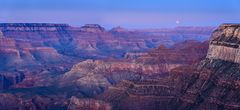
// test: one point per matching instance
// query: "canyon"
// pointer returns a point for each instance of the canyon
(90, 68)
(38, 49)
(211, 83)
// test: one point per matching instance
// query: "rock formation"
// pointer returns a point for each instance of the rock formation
(13, 102)
(87, 104)
(225, 43)
(119, 30)
(213, 83)
(1, 35)
(8, 79)
(92, 28)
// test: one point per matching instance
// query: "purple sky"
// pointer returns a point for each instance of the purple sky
(126, 13)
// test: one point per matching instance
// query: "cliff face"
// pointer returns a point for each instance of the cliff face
(225, 43)
(1, 34)
(214, 84)
(8, 79)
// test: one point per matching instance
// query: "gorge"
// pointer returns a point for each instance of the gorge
(91, 68)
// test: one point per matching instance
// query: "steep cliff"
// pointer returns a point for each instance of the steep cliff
(225, 43)
(8, 79)
(214, 83)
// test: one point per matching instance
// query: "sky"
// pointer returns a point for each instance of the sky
(125, 13)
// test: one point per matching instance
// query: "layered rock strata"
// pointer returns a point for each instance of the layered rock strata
(212, 83)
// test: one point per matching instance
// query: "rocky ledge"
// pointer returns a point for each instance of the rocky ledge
(92, 28)
(225, 43)
(31, 26)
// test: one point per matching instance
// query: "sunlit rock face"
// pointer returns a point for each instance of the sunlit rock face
(225, 43)
(214, 82)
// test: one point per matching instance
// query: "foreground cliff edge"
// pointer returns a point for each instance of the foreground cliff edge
(212, 83)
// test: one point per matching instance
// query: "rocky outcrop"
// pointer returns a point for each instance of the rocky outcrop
(16, 102)
(134, 55)
(87, 104)
(8, 102)
(7, 43)
(95, 76)
(144, 95)
(187, 52)
(8, 79)
(119, 29)
(92, 28)
(1, 35)
(213, 83)
(31, 27)
(225, 43)
(13, 102)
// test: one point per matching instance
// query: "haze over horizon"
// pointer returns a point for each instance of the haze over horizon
(129, 14)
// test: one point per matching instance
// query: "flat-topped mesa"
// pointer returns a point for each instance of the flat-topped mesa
(118, 30)
(92, 28)
(225, 42)
(31, 26)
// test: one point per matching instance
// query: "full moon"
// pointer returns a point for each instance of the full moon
(177, 22)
